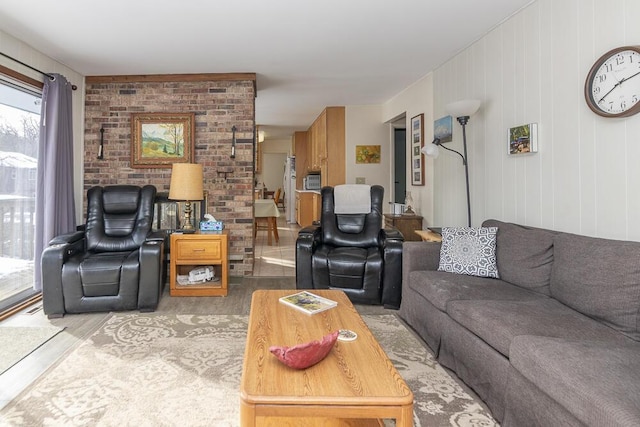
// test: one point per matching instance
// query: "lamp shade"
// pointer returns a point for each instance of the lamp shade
(431, 150)
(186, 182)
(464, 108)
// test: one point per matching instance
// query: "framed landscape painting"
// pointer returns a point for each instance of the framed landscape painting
(161, 139)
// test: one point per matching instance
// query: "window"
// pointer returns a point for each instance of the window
(19, 133)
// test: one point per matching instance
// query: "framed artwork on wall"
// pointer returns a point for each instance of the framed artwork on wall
(443, 129)
(523, 139)
(160, 139)
(417, 142)
(367, 153)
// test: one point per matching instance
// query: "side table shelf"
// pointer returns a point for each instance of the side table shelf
(189, 251)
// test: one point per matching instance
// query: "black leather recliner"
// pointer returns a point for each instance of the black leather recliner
(352, 253)
(113, 263)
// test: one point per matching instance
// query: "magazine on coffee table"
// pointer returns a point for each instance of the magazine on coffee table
(308, 303)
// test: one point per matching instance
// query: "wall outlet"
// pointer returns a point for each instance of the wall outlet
(360, 180)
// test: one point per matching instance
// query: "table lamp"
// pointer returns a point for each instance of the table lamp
(186, 185)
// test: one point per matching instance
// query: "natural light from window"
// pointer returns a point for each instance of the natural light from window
(19, 133)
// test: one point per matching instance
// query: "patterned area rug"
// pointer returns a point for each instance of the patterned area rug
(170, 370)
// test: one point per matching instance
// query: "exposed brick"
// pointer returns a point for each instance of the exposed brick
(218, 106)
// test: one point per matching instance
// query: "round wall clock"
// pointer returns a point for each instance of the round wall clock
(612, 88)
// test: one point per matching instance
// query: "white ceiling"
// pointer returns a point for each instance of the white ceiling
(307, 55)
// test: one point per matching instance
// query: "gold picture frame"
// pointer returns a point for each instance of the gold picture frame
(160, 139)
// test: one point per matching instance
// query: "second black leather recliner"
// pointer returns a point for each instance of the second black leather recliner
(352, 252)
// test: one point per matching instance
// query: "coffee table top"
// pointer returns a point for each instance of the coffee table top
(354, 373)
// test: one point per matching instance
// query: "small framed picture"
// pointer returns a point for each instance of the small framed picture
(368, 153)
(417, 142)
(443, 129)
(523, 139)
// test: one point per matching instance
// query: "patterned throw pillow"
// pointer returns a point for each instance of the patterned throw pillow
(471, 251)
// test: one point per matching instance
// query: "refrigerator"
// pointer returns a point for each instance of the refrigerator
(289, 188)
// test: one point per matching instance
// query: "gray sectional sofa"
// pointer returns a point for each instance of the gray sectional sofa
(555, 341)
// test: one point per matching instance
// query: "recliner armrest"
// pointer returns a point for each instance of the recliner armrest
(308, 239)
(159, 235)
(391, 234)
(391, 245)
(151, 257)
(67, 238)
(60, 249)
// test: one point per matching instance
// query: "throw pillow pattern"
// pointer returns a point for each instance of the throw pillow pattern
(471, 251)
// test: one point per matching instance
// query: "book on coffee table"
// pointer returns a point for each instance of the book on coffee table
(307, 302)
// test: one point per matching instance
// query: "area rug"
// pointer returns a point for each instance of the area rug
(17, 342)
(184, 370)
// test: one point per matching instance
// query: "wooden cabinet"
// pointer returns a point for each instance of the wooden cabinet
(407, 224)
(308, 204)
(326, 146)
(299, 145)
(189, 251)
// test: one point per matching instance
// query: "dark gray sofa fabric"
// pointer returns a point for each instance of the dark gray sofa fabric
(600, 278)
(498, 323)
(440, 287)
(527, 406)
(598, 382)
(473, 323)
(476, 363)
(524, 255)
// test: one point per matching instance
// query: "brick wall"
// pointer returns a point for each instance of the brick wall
(219, 102)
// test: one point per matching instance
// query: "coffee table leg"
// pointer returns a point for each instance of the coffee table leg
(247, 415)
(406, 417)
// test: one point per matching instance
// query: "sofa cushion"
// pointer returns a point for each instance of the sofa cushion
(499, 322)
(600, 278)
(440, 287)
(467, 250)
(527, 265)
(599, 383)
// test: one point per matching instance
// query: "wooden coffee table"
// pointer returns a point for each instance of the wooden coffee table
(355, 385)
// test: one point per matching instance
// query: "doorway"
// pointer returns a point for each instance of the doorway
(399, 163)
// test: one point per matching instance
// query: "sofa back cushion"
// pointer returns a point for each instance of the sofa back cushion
(524, 255)
(599, 278)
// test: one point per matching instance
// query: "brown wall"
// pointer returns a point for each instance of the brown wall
(219, 102)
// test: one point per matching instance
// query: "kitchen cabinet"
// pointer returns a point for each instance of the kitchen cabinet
(308, 204)
(299, 146)
(326, 146)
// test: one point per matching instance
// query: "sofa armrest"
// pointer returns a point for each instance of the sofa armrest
(419, 256)
(308, 239)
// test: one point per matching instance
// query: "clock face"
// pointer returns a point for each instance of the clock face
(612, 88)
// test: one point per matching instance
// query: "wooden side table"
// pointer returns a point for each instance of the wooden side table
(407, 224)
(200, 249)
(429, 236)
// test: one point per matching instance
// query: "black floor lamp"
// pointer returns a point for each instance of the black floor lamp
(461, 110)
